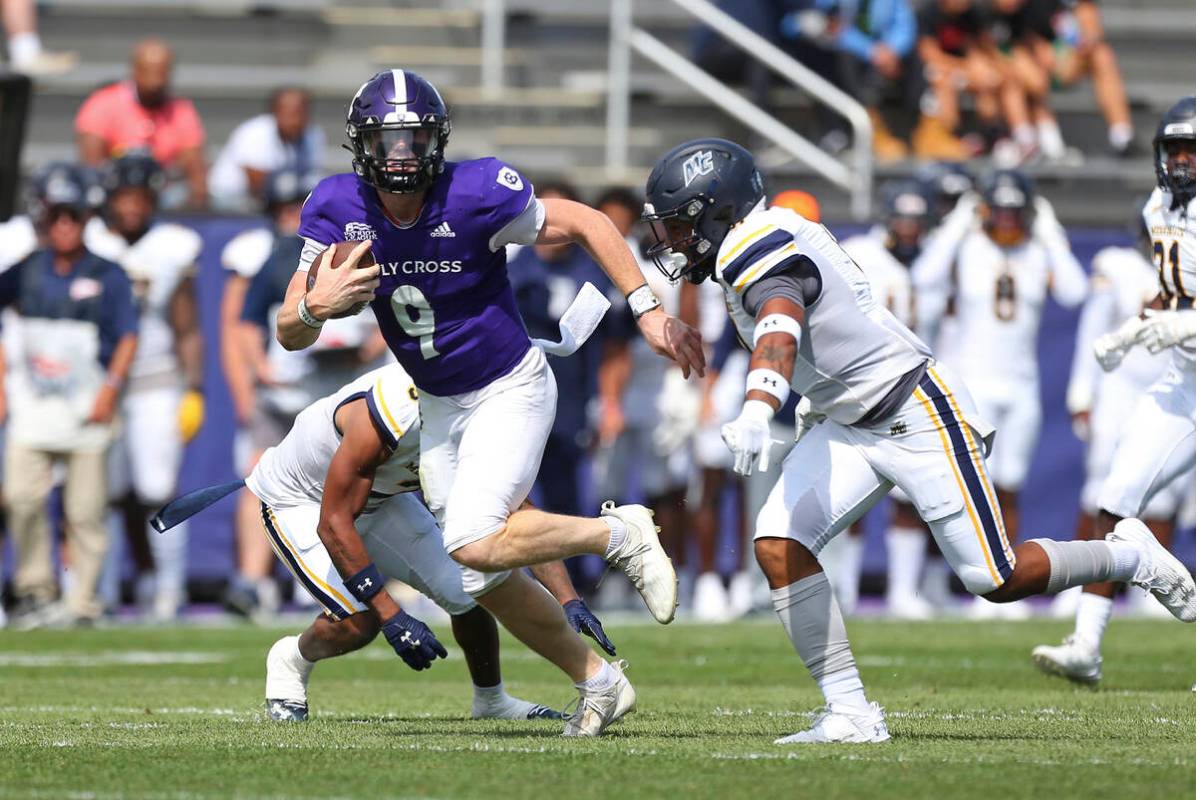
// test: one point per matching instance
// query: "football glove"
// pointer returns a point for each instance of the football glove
(1111, 348)
(191, 413)
(805, 418)
(582, 620)
(413, 641)
(749, 437)
(1164, 329)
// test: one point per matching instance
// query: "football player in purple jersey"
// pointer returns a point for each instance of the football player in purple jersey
(437, 230)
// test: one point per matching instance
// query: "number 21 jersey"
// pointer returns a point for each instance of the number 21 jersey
(1173, 251)
(445, 305)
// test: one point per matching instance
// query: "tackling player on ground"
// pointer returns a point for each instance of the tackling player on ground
(890, 416)
(1157, 443)
(442, 299)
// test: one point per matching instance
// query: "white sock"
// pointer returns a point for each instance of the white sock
(489, 695)
(1092, 615)
(290, 681)
(23, 48)
(815, 626)
(907, 551)
(601, 680)
(1050, 138)
(1082, 562)
(1120, 135)
(618, 534)
(1025, 136)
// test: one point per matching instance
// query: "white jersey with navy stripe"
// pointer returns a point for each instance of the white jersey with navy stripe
(293, 472)
(1173, 243)
(853, 350)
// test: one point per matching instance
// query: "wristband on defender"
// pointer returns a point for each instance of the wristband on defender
(366, 583)
(642, 300)
(770, 382)
(306, 317)
(777, 323)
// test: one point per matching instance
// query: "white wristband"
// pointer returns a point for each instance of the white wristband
(642, 300)
(306, 317)
(770, 382)
(777, 323)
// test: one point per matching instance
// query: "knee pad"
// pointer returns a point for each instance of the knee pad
(477, 583)
(977, 580)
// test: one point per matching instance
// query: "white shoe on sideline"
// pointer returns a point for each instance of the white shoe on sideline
(1075, 660)
(643, 560)
(711, 603)
(837, 724)
(740, 594)
(597, 711)
(1159, 572)
(1066, 603)
(908, 606)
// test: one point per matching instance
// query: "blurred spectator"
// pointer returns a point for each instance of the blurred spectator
(958, 56)
(1068, 40)
(285, 382)
(874, 45)
(77, 338)
(162, 408)
(726, 60)
(282, 139)
(141, 114)
(546, 278)
(25, 53)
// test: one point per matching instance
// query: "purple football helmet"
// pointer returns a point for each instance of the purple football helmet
(398, 126)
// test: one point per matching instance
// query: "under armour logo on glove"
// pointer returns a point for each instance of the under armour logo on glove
(413, 641)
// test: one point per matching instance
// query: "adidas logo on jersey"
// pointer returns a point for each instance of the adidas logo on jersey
(443, 231)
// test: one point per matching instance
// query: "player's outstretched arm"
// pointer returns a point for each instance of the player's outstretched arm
(346, 490)
(556, 580)
(568, 221)
(778, 329)
(337, 289)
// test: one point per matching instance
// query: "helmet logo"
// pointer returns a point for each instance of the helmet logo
(1179, 129)
(699, 164)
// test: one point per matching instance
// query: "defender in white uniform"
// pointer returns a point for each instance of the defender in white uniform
(885, 254)
(359, 448)
(891, 417)
(1157, 442)
(162, 407)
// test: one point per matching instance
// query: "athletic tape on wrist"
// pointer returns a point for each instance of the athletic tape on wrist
(366, 583)
(642, 300)
(770, 382)
(306, 317)
(777, 323)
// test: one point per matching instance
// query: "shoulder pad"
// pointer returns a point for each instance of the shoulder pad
(749, 252)
(393, 403)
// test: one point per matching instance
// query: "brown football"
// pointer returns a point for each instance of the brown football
(340, 251)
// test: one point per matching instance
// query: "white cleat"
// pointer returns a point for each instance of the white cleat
(1159, 572)
(711, 603)
(642, 559)
(1074, 659)
(841, 725)
(908, 606)
(596, 711)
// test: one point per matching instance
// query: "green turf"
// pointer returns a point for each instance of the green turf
(176, 713)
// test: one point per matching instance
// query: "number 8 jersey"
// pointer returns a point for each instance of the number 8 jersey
(1173, 251)
(445, 305)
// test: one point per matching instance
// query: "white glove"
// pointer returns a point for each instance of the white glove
(1163, 329)
(1111, 348)
(805, 418)
(1046, 225)
(749, 437)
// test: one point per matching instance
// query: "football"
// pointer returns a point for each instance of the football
(340, 252)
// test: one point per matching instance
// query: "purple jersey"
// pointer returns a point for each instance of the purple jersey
(445, 305)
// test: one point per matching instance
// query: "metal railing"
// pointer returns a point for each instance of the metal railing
(855, 177)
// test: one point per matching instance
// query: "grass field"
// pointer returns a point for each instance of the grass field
(176, 713)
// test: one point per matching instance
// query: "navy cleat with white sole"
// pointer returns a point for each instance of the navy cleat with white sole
(286, 710)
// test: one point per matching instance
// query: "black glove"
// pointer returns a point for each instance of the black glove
(582, 620)
(413, 641)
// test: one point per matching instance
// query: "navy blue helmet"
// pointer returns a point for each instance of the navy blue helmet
(1007, 206)
(695, 193)
(1176, 171)
(907, 217)
(133, 171)
(398, 126)
(64, 185)
(945, 182)
(288, 185)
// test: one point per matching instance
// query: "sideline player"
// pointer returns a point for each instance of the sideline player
(1157, 442)
(441, 295)
(892, 416)
(163, 405)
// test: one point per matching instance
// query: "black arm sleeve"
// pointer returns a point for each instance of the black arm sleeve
(796, 278)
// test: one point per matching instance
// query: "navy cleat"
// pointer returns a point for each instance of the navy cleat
(286, 710)
(544, 712)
